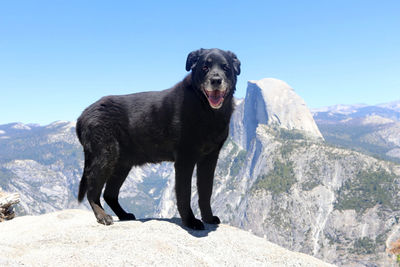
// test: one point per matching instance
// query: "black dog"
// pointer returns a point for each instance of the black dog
(187, 124)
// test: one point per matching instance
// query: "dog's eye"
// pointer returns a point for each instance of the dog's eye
(205, 68)
(226, 68)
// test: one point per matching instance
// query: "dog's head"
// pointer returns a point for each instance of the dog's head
(214, 73)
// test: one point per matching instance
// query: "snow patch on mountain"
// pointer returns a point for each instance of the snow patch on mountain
(340, 109)
(395, 105)
(65, 132)
(62, 124)
(376, 120)
(21, 126)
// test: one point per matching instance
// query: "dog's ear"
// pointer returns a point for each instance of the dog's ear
(192, 59)
(236, 62)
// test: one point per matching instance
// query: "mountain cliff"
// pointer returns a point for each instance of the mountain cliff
(275, 177)
(272, 102)
(276, 103)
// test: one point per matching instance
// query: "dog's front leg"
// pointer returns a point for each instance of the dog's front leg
(183, 183)
(205, 178)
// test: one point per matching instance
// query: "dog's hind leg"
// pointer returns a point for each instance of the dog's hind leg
(100, 170)
(113, 186)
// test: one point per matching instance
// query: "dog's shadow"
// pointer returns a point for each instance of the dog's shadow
(208, 228)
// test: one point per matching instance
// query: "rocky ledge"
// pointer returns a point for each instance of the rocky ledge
(72, 237)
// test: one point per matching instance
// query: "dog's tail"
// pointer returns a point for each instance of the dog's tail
(82, 188)
(83, 183)
(78, 129)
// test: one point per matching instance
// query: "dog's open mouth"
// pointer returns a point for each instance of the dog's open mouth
(215, 97)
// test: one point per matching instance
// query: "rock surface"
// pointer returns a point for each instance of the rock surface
(72, 237)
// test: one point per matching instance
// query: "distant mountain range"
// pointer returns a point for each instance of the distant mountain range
(374, 130)
(319, 187)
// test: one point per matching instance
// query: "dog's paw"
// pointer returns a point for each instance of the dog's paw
(105, 219)
(212, 220)
(127, 217)
(194, 224)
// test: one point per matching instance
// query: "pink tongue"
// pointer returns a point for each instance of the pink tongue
(215, 97)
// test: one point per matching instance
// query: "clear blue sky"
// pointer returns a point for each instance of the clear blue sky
(57, 57)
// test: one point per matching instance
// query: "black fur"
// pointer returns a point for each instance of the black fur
(187, 124)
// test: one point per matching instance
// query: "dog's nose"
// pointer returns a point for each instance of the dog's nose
(216, 81)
